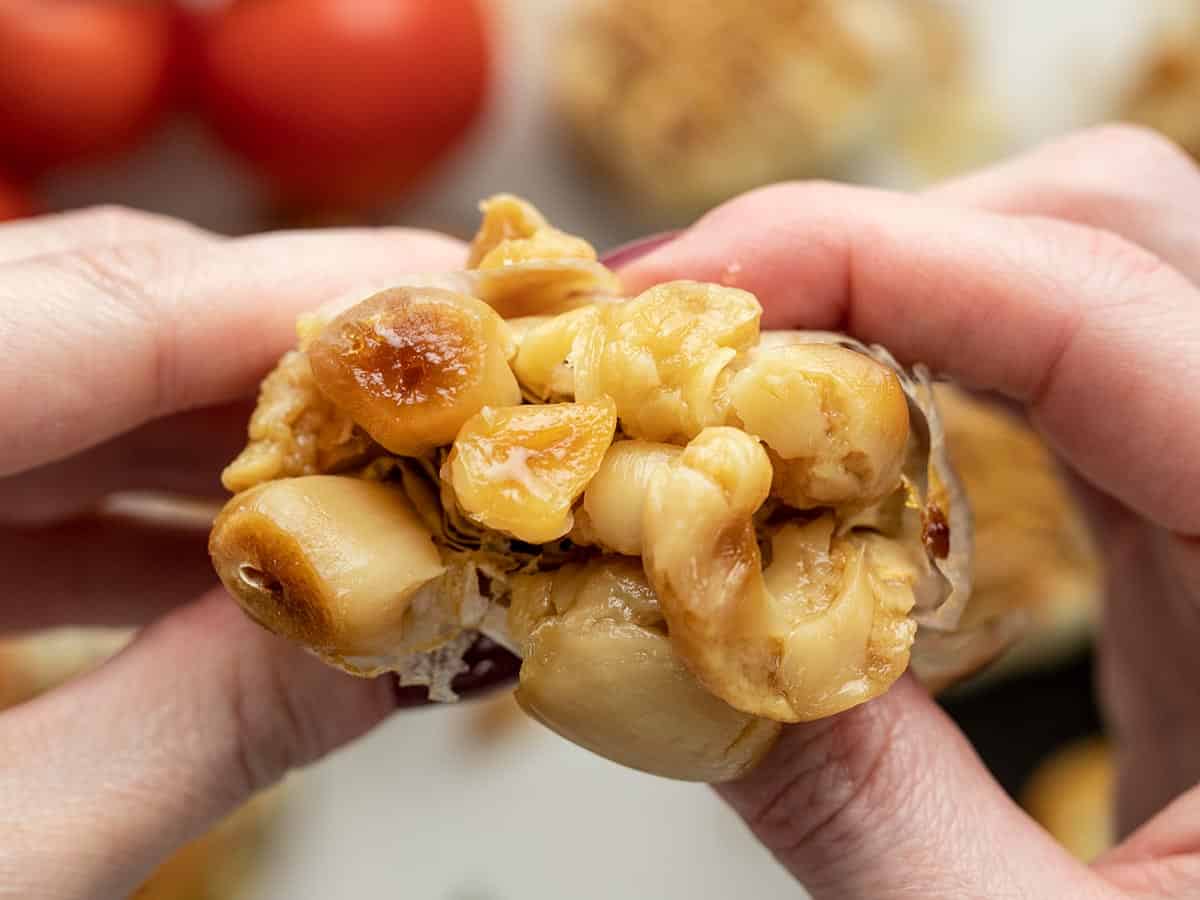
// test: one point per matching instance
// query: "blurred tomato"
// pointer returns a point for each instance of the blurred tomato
(80, 80)
(344, 103)
(15, 203)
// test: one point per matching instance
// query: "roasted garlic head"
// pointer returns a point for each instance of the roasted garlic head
(689, 531)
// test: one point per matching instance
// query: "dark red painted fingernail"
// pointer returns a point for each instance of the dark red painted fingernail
(634, 250)
(490, 667)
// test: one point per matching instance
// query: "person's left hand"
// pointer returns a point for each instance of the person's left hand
(130, 346)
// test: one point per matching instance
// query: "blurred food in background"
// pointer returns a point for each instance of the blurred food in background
(342, 105)
(1033, 549)
(218, 866)
(685, 103)
(1070, 795)
(1166, 93)
(80, 81)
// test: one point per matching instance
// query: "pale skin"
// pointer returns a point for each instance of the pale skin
(1065, 280)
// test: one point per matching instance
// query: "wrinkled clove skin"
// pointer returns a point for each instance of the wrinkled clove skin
(329, 562)
(600, 670)
(410, 366)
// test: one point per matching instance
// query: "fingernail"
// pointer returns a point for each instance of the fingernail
(489, 667)
(634, 250)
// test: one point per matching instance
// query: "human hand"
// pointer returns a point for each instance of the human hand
(130, 350)
(1068, 281)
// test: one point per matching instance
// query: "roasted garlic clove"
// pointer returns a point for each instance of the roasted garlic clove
(543, 364)
(835, 420)
(412, 365)
(522, 266)
(615, 499)
(660, 356)
(514, 231)
(334, 563)
(600, 671)
(295, 430)
(520, 469)
(824, 628)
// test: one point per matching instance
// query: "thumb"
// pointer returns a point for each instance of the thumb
(888, 800)
(108, 774)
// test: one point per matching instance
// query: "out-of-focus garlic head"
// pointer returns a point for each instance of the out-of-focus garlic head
(1034, 553)
(1165, 94)
(691, 531)
(685, 103)
(600, 670)
(1071, 795)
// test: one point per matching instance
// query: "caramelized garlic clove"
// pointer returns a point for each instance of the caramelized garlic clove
(599, 671)
(823, 629)
(295, 430)
(660, 356)
(412, 365)
(615, 499)
(520, 469)
(836, 422)
(543, 361)
(331, 562)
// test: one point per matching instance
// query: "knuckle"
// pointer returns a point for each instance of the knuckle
(1137, 149)
(1118, 263)
(837, 773)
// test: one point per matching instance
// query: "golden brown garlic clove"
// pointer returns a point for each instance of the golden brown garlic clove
(823, 628)
(412, 365)
(835, 420)
(600, 671)
(331, 562)
(520, 469)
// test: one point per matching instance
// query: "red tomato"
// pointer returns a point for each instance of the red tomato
(80, 80)
(15, 203)
(344, 103)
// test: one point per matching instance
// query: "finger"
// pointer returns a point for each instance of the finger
(95, 343)
(1094, 334)
(181, 454)
(1128, 180)
(104, 777)
(1162, 858)
(101, 226)
(102, 570)
(888, 800)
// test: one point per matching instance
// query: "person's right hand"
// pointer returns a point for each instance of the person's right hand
(1069, 281)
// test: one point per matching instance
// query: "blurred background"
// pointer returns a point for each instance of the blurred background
(617, 118)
